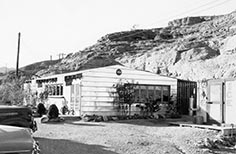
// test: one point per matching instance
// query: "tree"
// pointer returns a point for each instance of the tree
(125, 93)
(43, 96)
(12, 92)
(30, 97)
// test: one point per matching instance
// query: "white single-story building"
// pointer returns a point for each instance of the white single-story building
(92, 91)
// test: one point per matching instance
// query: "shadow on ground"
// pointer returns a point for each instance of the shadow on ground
(62, 146)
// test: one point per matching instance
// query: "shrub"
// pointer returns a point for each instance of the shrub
(125, 93)
(53, 112)
(65, 110)
(11, 92)
(41, 109)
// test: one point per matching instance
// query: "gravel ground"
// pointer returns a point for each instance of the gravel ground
(121, 137)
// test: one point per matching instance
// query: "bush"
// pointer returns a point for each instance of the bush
(11, 92)
(53, 112)
(41, 109)
(65, 110)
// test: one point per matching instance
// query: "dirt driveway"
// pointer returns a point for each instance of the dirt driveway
(120, 137)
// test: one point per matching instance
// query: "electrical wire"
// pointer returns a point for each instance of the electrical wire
(194, 10)
(188, 11)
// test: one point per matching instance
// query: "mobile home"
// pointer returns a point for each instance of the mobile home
(92, 91)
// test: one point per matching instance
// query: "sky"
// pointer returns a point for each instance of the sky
(51, 27)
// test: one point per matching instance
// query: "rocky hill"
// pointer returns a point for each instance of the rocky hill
(28, 71)
(32, 69)
(3, 70)
(191, 48)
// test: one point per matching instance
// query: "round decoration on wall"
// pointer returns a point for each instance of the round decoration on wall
(118, 71)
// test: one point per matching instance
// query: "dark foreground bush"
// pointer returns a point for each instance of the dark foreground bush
(41, 110)
(53, 112)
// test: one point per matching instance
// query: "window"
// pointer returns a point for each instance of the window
(136, 94)
(40, 85)
(158, 97)
(151, 93)
(54, 89)
(215, 93)
(45, 81)
(166, 94)
(157, 93)
(143, 93)
(72, 97)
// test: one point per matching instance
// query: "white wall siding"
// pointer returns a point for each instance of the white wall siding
(98, 93)
(97, 87)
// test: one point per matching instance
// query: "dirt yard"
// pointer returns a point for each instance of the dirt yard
(121, 137)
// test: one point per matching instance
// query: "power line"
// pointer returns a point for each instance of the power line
(213, 6)
(188, 11)
(208, 5)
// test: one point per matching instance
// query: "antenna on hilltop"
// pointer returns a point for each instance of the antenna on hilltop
(61, 55)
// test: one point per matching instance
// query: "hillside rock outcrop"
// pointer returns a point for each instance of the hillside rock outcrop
(189, 21)
(191, 48)
(130, 36)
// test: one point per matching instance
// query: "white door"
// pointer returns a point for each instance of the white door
(230, 102)
(215, 102)
(75, 103)
(72, 97)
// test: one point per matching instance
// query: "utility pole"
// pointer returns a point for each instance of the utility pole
(17, 60)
